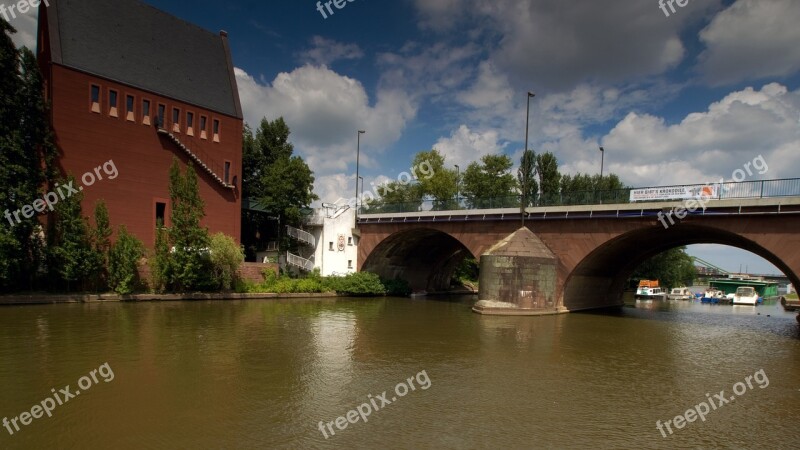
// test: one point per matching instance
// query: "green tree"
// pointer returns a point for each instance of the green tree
(226, 257)
(587, 189)
(26, 158)
(526, 177)
(282, 183)
(71, 258)
(441, 186)
(101, 245)
(123, 262)
(673, 268)
(161, 262)
(549, 177)
(190, 262)
(489, 184)
(395, 197)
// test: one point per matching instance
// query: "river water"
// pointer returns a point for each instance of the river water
(264, 374)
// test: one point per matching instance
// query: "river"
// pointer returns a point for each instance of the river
(278, 374)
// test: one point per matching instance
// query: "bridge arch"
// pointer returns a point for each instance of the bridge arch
(425, 257)
(600, 278)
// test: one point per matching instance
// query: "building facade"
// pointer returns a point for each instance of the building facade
(136, 87)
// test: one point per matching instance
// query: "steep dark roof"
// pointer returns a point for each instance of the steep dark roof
(138, 45)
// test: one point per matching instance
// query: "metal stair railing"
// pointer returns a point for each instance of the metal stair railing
(297, 261)
(302, 236)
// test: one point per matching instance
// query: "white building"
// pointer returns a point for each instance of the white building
(329, 242)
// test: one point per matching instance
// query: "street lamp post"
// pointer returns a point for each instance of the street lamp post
(458, 186)
(358, 156)
(523, 197)
(602, 157)
(361, 195)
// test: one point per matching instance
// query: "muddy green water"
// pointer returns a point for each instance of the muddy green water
(263, 374)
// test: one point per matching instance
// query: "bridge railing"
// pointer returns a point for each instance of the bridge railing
(786, 187)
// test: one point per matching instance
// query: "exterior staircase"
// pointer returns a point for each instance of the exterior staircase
(302, 236)
(300, 262)
(194, 157)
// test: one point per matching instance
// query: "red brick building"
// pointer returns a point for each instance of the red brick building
(131, 84)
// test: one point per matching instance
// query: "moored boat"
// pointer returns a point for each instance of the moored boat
(790, 304)
(680, 293)
(649, 290)
(745, 295)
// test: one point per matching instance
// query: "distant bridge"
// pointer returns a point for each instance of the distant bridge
(593, 249)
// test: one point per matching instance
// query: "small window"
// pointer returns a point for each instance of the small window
(349, 263)
(146, 112)
(227, 171)
(203, 120)
(129, 113)
(350, 241)
(95, 98)
(216, 130)
(112, 103)
(330, 246)
(190, 123)
(176, 120)
(162, 110)
(161, 209)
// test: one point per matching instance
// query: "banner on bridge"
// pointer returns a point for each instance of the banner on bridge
(699, 192)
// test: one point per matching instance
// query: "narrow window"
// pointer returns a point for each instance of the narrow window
(112, 103)
(350, 241)
(161, 209)
(160, 119)
(129, 113)
(330, 246)
(349, 263)
(146, 112)
(176, 120)
(216, 130)
(203, 120)
(95, 98)
(227, 171)
(190, 123)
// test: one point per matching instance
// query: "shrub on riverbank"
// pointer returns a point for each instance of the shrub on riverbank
(356, 284)
(123, 261)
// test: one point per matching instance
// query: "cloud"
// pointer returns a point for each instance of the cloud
(752, 39)
(327, 51)
(712, 144)
(465, 146)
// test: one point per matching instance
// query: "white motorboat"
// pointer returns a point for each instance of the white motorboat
(745, 295)
(651, 293)
(680, 293)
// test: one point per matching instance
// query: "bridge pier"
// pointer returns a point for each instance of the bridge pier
(519, 276)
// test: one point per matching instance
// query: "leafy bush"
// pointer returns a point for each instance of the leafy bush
(397, 287)
(123, 260)
(161, 263)
(359, 283)
(226, 257)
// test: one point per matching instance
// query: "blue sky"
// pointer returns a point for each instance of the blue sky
(684, 98)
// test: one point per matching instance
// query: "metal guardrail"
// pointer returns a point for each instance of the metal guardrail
(298, 261)
(786, 187)
(302, 236)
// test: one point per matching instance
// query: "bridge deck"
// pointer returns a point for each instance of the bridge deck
(750, 206)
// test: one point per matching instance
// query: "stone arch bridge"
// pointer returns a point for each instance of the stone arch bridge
(577, 257)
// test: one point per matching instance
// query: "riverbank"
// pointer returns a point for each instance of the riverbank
(48, 299)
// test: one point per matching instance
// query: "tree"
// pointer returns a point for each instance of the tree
(672, 268)
(395, 197)
(190, 263)
(490, 183)
(441, 186)
(526, 177)
(123, 262)
(549, 177)
(26, 159)
(226, 257)
(282, 183)
(586, 189)
(100, 237)
(71, 259)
